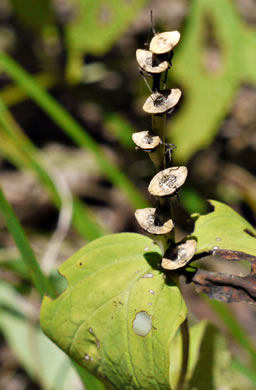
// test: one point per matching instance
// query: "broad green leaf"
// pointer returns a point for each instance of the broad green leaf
(225, 229)
(95, 27)
(209, 93)
(119, 314)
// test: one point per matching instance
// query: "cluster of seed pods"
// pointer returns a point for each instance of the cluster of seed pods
(158, 221)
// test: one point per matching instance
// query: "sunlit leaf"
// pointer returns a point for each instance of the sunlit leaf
(119, 314)
(225, 229)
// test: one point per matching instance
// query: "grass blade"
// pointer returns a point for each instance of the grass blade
(71, 127)
(39, 279)
(234, 328)
(18, 149)
(245, 370)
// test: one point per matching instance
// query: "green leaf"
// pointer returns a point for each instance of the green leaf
(41, 359)
(71, 127)
(196, 334)
(244, 370)
(118, 316)
(234, 327)
(39, 279)
(209, 93)
(225, 229)
(18, 149)
(213, 370)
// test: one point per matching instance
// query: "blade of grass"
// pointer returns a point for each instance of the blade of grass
(234, 328)
(71, 127)
(244, 370)
(17, 147)
(39, 279)
(12, 95)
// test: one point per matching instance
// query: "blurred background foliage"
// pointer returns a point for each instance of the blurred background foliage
(70, 98)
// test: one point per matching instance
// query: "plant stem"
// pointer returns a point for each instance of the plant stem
(158, 158)
(158, 128)
(185, 354)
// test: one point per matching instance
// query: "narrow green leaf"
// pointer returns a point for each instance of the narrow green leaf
(18, 149)
(236, 365)
(234, 328)
(39, 279)
(213, 370)
(39, 357)
(69, 125)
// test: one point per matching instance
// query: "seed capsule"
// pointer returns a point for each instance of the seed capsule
(164, 42)
(184, 254)
(162, 101)
(144, 140)
(151, 223)
(167, 182)
(150, 63)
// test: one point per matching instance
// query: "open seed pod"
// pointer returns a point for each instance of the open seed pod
(164, 42)
(184, 253)
(161, 102)
(167, 182)
(150, 222)
(146, 141)
(149, 62)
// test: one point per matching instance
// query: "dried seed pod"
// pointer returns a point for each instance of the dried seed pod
(164, 42)
(162, 101)
(150, 63)
(184, 254)
(167, 182)
(146, 141)
(150, 222)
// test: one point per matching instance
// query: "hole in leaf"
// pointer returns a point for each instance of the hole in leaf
(142, 324)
